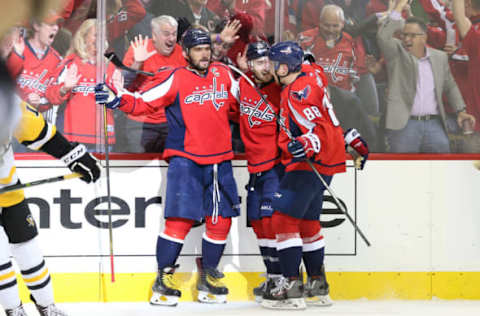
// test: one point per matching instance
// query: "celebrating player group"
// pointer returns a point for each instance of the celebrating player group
(294, 145)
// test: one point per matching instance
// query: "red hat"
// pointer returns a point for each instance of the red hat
(247, 24)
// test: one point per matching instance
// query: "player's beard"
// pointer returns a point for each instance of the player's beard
(197, 64)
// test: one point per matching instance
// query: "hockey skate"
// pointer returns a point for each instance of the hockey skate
(287, 294)
(265, 286)
(317, 291)
(164, 291)
(50, 310)
(17, 311)
(210, 289)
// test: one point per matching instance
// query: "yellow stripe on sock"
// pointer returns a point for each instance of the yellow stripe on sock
(8, 275)
(37, 278)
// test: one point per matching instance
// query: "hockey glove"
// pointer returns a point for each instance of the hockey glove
(80, 161)
(104, 96)
(304, 147)
(359, 145)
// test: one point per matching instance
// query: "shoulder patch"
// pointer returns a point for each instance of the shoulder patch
(302, 94)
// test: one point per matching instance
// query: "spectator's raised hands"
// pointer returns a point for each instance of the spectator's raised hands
(140, 49)
(71, 77)
(19, 44)
(229, 32)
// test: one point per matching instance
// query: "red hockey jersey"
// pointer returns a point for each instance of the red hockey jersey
(255, 8)
(339, 62)
(197, 109)
(305, 107)
(153, 64)
(258, 125)
(471, 43)
(80, 123)
(33, 74)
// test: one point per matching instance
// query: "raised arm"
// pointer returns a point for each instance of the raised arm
(463, 23)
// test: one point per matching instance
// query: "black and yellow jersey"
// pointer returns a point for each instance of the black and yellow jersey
(32, 131)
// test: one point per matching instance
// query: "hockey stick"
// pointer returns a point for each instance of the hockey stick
(101, 68)
(119, 64)
(284, 128)
(20, 186)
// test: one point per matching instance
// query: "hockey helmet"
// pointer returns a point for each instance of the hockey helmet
(194, 37)
(288, 53)
(257, 50)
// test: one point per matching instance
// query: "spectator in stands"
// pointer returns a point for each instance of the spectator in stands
(33, 61)
(254, 8)
(340, 57)
(148, 133)
(469, 31)
(418, 77)
(73, 84)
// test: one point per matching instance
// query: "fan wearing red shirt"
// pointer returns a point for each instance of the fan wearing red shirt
(469, 30)
(147, 133)
(255, 8)
(32, 63)
(74, 85)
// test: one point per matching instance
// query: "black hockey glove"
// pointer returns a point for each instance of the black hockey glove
(81, 161)
(104, 96)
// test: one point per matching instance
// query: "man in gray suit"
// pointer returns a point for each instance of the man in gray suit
(418, 77)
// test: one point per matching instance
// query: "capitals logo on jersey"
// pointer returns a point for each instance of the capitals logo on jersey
(335, 69)
(301, 94)
(209, 94)
(252, 109)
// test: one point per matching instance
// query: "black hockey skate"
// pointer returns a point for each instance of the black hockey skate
(17, 311)
(287, 294)
(50, 310)
(317, 290)
(265, 286)
(164, 291)
(210, 289)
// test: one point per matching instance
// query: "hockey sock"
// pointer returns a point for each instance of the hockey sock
(313, 246)
(262, 242)
(214, 241)
(289, 243)
(8, 282)
(274, 262)
(170, 242)
(34, 271)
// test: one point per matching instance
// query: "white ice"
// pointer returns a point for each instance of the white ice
(340, 308)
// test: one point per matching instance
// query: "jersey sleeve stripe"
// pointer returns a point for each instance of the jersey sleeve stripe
(45, 135)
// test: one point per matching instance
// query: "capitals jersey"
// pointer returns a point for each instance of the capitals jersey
(33, 74)
(197, 109)
(33, 131)
(338, 62)
(258, 125)
(471, 43)
(81, 111)
(153, 64)
(305, 107)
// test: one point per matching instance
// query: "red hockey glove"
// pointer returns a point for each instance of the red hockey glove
(304, 146)
(356, 142)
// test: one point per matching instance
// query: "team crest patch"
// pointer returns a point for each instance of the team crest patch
(30, 221)
(301, 94)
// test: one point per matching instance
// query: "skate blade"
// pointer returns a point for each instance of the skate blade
(205, 297)
(292, 303)
(163, 300)
(319, 300)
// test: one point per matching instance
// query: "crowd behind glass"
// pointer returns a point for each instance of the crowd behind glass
(54, 61)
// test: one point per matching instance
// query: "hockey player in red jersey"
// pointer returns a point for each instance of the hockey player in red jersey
(200, 184)
(259, 133)
(310, 130)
